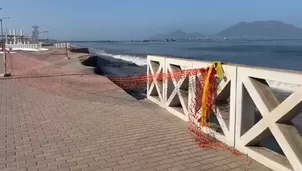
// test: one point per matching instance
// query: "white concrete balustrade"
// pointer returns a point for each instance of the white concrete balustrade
(61, 45)
(24, 45)
(250, 114)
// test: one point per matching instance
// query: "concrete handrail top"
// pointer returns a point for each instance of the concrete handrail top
(228, 64)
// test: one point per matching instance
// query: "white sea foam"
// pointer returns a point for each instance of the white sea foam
(134, 59)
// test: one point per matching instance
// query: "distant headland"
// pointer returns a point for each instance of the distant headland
(243, 30)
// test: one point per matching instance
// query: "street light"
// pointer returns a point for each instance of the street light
(3, 47)
(1, 31)
(2, 36)
(43, 32)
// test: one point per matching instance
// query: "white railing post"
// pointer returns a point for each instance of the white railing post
(155, 87)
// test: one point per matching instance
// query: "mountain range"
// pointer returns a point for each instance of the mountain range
(258, 29)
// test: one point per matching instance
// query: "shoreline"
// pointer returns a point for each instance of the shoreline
(110, 66)
(107, 66)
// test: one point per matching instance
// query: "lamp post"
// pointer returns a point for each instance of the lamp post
(1, 30)
(2, 35)
(43, 32)
(3, 47)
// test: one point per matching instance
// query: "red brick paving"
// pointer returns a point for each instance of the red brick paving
(109, 130)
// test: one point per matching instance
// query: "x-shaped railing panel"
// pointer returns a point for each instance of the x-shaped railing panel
(225, 89)
(155, 70)
(276, 117)
(177, 84)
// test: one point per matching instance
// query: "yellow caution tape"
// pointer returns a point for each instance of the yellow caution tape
(219, 69)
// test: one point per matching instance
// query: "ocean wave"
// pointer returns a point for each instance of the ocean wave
(140, 61)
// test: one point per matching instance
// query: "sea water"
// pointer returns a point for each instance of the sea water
(283, 54)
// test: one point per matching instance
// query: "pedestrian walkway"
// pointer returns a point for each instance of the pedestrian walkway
(108, 130)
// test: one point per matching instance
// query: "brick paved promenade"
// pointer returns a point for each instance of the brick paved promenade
(107, 131)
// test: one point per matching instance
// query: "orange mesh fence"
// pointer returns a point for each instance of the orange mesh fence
(44, 73)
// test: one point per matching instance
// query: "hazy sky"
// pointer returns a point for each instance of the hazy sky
(132, 19)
